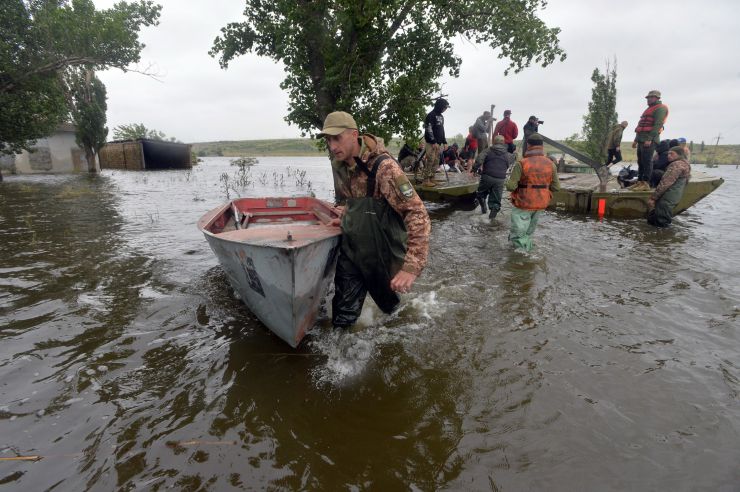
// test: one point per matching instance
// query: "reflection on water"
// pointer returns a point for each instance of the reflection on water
(604, 360)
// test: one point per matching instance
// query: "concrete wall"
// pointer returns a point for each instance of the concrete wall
(57, 153)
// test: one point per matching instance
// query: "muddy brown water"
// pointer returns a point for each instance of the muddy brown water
(609, 359)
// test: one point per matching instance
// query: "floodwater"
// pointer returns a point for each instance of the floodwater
(608, 359)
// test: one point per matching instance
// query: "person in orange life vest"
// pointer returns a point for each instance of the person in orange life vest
(508, 129)
(531, 183)
(647, 136)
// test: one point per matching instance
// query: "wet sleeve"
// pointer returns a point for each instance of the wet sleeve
(555, 184)
(392, 183)
(516, 174)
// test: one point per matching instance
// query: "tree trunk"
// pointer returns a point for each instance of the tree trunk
(603, 174)
(92, 164)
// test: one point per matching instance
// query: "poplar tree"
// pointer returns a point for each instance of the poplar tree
(40, 40)
(380, 60)
(602, 113)
(88, 104)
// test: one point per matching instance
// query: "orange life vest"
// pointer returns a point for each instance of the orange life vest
(647, 121)
(533, 192)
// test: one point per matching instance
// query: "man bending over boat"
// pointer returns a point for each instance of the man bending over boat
(385, 226)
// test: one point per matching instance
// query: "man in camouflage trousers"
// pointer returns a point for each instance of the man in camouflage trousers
(385, 226)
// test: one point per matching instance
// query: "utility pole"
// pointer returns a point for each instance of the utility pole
(714, 156)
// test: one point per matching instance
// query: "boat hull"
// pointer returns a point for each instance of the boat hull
(281, 269)
(579, 194)
(453, 187)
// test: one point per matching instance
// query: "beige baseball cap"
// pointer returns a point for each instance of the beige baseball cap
(336, 122)
(653, 93)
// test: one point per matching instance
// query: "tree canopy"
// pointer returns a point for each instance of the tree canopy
(88, 105)
(602, 112)
(380, 59)
(41, 39)
(134, 131)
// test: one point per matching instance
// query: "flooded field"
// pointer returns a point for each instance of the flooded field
(609, 359)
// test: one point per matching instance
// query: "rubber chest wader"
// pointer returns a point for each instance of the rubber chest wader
(662, 214)
(373, 248)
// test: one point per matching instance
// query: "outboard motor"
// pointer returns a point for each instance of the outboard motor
(627, 176)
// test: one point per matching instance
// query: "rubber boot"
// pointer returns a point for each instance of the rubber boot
(493, 214)
(482, 202)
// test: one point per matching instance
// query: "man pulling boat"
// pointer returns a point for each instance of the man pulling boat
(385, 226)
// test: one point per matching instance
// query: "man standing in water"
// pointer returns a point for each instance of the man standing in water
(647, 137)
(436, 142)
(670, 189)
(531, 183)
(493, 164)
(385, 226)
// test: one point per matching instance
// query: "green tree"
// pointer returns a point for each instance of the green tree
(701, 149)
(135, 131)
(602, 113)
(380, 59)
(40, 40)
(691, 146)
(88, 106)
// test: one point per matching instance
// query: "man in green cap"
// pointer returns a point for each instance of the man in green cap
(385, 226)
(647, 136)
(531, 183)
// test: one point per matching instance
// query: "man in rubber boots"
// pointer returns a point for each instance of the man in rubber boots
(385, 226)
(670, 189)
(436, 142)
(493, 164)
(531, 183)
(647, 136)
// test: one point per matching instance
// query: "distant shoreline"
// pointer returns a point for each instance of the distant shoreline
(306, 147)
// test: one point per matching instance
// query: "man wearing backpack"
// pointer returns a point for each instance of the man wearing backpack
(493, 166)
(385, 226)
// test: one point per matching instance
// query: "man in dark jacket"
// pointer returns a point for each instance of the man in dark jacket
(531, 126)
(493, 166)
(436, 143)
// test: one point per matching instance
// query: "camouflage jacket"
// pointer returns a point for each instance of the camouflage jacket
(676, 170)
(392, 185)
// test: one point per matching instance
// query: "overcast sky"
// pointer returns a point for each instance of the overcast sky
(687, 50)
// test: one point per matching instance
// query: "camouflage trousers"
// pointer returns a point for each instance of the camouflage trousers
(431, 160)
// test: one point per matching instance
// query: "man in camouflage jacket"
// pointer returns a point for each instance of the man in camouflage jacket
(353, 156)
(670, 189)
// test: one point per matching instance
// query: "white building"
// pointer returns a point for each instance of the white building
(57, 153)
